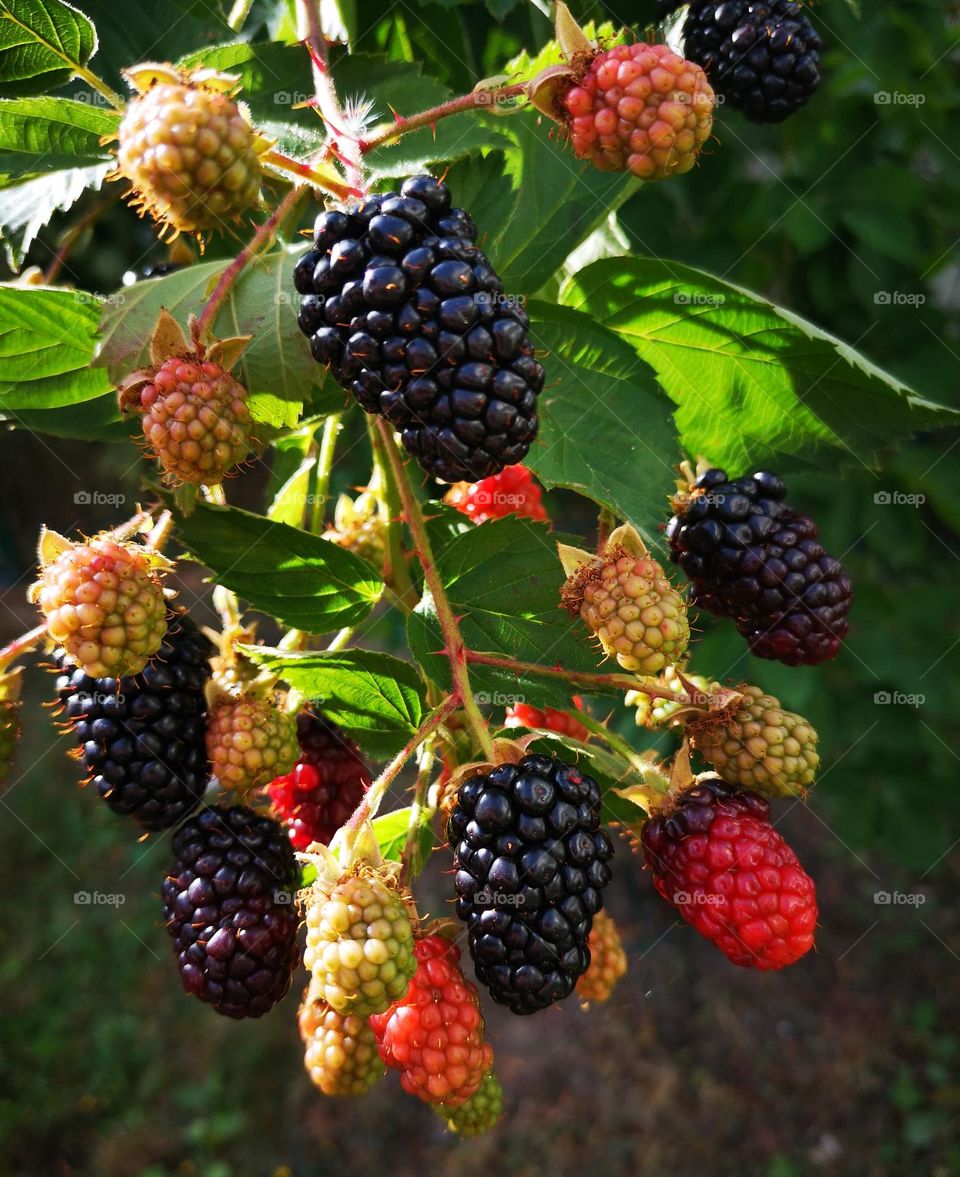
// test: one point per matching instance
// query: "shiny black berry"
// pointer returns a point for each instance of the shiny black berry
(761, 56)
(142, 738)
(751, 557)
(228, 902)
(532, 863)
(411, 317)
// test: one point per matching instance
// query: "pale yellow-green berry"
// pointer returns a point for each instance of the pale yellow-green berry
(250, 741)
(340, 1051)
(477, 1114)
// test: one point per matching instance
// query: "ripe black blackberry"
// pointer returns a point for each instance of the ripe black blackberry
(531, 868)
(412, 319)
(142, 738)
(761, 56)
(228, 902)
(751, 557)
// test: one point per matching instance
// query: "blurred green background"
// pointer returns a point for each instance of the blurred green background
(849, 1063)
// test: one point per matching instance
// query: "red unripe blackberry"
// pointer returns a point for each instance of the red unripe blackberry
(718, 860)
(228, 901)
(641, 109)
(434, 1034)
(751, 557)
(511, 492)
(532, 863)
(142, 738)
(563, 722)
(411, 318)
(762, 56)
(324, 787)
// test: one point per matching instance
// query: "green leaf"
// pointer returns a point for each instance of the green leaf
(262, 303)
(273, 77)
(535, 202)
(45, 134)
(606, 429)
(751, 380)
(375, 698)
(92, 420)
(47, 339)
(392, 831)
(26, 208)
(299, 578)
(42, 43)
(503, 580)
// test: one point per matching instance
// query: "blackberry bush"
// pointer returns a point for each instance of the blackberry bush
(346, 446)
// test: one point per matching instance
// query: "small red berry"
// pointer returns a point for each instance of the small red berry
(434, 1034)
(512, 492)
(718, 860)
(324, 787)
(641, 109)
(563, 722)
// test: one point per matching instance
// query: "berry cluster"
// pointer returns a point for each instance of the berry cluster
(532, 863)
(228, 901)
(752, 557)
(412, 319)
(142, 738)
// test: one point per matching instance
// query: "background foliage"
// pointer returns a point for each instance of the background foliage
(846, 216)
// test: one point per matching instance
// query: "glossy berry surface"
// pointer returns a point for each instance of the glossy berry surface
(512, 492)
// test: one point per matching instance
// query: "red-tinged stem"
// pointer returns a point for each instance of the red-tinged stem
(297, 167)
(262, 239)
(367, 809)
(475, 100)
(346, 146)
(617, 682)
(73, 235)
(449, 627)
(21, 645)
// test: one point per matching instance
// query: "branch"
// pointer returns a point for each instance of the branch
(263, 238)
(21, 645)
(618, 682)
(476, 99)
(395, 571)
(374, 795)
(449, 627)
(296, 167)
(321, 492)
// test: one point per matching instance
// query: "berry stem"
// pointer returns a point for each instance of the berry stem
(328, 448)
(296, 167)
(73, 235)
(395, 572)
(262, 239)
(367, 809)
(416, 809)
(475, 100)
(615, 682)
(449, 627)
(21, 645)
(348, 148)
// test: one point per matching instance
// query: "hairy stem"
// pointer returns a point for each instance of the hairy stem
(617, 682)
(21, 645)
(296, 167)
(367, 809)
(262, 239)
(416, 808)
(348, 149)
(449, 626)
(475, 100)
